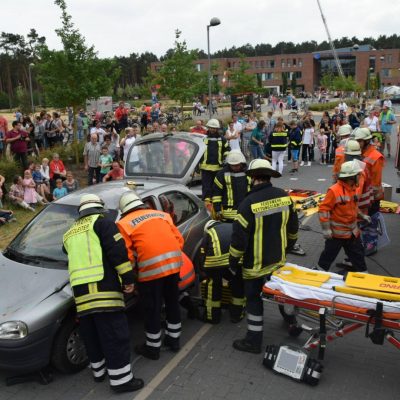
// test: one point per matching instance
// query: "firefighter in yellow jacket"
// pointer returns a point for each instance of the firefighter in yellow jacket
(97, 263)
(154, 245)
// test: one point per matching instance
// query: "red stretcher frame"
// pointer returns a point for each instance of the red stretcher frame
(356, 319)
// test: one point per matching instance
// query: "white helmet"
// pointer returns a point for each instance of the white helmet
(235, 157)
(352, 148)
(209, 224)
(213, 123)
(362, 134)
(262, 167)
(345, 130)
(129, 201)
(90, 204)
(349, 168)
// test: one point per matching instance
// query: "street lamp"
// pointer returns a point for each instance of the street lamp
(368, 79)
(31, 65)
(213, 22)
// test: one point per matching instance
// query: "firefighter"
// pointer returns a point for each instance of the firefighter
(230, 186)
(97, 261)
(344, 133)
(265, 228)
(215, 254)
(338, 215)
(213, 158)
(375, 163)
(158, 264)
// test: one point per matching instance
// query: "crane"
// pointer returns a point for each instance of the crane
(335, 56)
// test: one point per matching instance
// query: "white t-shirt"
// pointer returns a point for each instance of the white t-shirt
(129, 141)
(233, 143)
(342, 107)
(371, 123)
(308, 136)
(388, 103)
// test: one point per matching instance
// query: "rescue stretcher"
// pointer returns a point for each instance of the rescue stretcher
(335, 305)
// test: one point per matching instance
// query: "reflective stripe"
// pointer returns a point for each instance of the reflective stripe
(117, 382)
(253, 317)
(159, 270)
(218, 183)
(173, 334)
(254, 328)
(235, 253)
(324, 214)
(215, 242)
(272, 211)
(153, 344)
(159, 258)
(174, 326)
(98, 374)
(100, 304)
(341, 199)
(216, 199)
(229, 191)
(241, 220)
(99, 295)
(238, 301)
(123, 268)
(258, 243)
(119, 371)
(98, 364)
(369, 160)
(86, 277)
(153, 335)
(292, 236)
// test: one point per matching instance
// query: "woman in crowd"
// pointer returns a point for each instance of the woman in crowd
(233, 137)
(308, 143)
(71, 184)
(57, 170)
(256, 140)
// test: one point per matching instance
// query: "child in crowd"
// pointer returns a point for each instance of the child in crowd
(70, 183)
(40, 182)
(322, 141)
(105, 162)
(295, 145)
(16, 194)
(6, 216)
(308, 143)
(60, 190)
(30, 195)
(45, 170)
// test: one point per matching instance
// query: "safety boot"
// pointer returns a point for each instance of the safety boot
(172, 343)
(131, 386)
(245, 345)
(148, 351)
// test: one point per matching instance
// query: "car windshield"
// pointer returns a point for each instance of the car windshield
(167, 157)
(40, 242)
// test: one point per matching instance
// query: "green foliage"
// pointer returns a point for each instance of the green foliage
(345, 84)
(8, 169)
(284, 82)
(66, 153)
(323, 106)
(178, 77)
(240, 81)
(23, 100)
(293, 83)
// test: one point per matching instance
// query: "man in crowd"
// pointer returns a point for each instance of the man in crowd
(99, 273)
(121, 115)
(265, 228)
(199, 128)
(386, 122)
(116, 173)
(18, 140)
(3, 131)
(91, 157)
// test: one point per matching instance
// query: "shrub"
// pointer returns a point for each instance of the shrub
(8, 169)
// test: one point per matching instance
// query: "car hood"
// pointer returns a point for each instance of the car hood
(172, 157)
(22, 287)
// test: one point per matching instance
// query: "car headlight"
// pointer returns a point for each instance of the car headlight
(13, 330)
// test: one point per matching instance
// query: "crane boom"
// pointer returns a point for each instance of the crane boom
(335, 56)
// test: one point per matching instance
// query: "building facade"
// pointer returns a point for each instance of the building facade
(310, 67)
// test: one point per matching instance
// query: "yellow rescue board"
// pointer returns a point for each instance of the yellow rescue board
(368, 293)
(373, 282)
(311, 278)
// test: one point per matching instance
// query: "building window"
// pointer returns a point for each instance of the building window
(257, 64)
(300, 62)
(294, 62)
(266, 76)
(262, 64)
(298, 74)
(289, 63)
(270, 63)
(200, 67)
(283, 63)
(386, 72)
(389, 58)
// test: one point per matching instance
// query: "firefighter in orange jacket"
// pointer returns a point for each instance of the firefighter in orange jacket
(158, 264)
(344, 134)
(338, 214)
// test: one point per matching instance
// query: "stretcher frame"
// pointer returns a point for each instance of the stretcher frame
(338, 322)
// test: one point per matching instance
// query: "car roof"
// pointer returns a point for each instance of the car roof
(110, 192)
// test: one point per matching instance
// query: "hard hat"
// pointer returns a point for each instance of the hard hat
(362, 134)
(213, 123)
(90, 204)
(235, 157)
(209, 224)
(344, 130)
(352, 148)
(129, 201)
(259, 167)
(349, 168)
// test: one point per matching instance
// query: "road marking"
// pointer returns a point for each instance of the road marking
(321, 180)
(294, 179)
(152, 385)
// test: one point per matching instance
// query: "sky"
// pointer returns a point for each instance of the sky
(122, 27)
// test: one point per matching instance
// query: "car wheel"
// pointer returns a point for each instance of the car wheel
(69, 353)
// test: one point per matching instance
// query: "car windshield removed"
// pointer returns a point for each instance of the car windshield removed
(167, 157)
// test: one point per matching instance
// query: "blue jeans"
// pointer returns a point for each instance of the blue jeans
(256, 151)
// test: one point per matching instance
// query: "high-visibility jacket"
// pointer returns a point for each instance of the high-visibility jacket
(375, 163)
(153, 242)
(187, 274)
(229, 189)
(215, 246)
(97, 262)
(265, 226)
(214, 155)
(295, 138)
(364, 191)
(339, 160)
(338, 211)
(279, 140)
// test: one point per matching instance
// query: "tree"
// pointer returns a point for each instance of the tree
(378, 81)
(284, 82)
(74, 74)
(178, 77)
(293, 83)
(240, 81)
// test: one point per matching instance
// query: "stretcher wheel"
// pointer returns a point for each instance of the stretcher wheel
(288, 314)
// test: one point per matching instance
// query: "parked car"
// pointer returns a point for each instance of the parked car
(37, 313)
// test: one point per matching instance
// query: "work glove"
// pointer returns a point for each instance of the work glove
(366, 218)
(327, 233)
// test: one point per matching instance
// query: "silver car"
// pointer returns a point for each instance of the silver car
(37, 314)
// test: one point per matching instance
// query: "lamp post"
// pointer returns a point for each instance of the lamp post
(213, 22)
(31, 65)
(382, 59)
(368, 80)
